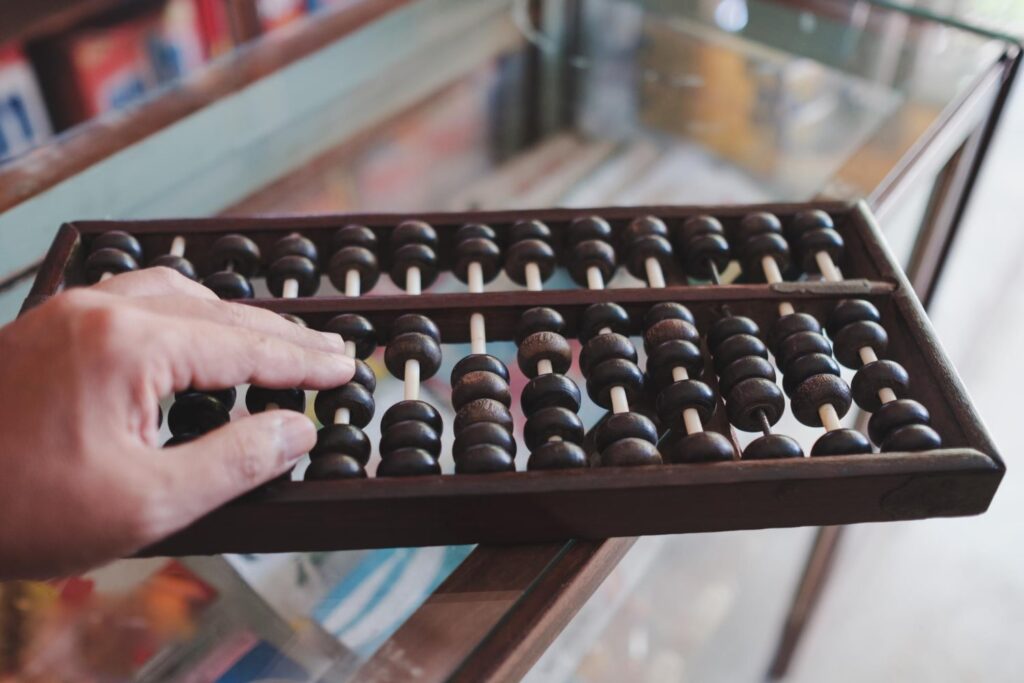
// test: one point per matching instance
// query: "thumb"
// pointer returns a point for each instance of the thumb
(234, 459)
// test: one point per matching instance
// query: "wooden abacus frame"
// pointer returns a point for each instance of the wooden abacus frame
(594, 503)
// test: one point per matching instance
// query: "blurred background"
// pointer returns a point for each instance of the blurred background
(146, 108)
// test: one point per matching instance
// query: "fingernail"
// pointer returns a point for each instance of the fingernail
(296, 434)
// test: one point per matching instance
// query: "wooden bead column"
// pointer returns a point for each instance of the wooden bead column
(704, 251)
(112, 253)
(411, 429)
(592, 261)
(819, 397)
(175, 259)
(684, 403)
(480, 393)
(648, 251)
(354, 269)
(413, 256)
(237, 259)
(879, 386)
(342, 448)
(530, 260)
(550, 400)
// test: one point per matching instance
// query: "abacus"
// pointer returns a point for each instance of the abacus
(724, 300)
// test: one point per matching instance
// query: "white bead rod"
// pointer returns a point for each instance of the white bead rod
(655, 276)
(533, 280)
(477, 326)
(342, 416)
(106, 276)
(829, 417)
(867, 355)
(290, 290)
(594, 278)
(691, 418)
(774, 276)
(178, 246)
(827, 267)
(353, 284)
(620, 404)
(413, 283)
(412, 380)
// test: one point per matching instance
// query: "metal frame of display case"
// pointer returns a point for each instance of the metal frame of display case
(500, 609)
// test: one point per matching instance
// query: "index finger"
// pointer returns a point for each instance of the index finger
(155, 281)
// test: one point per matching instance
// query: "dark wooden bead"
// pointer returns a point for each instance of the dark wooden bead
(644, 226)
(177, 263)
(651, 246)
(619, 426)
(416, 346)
(815, 392)
(736, 347)
(809, 219)
(471, 231)
(788, 325)
(589, 228)
(485, 458)
(743, 368)
(805, 367)
(298, 268)
(681, 395)
(353, 396)
(196, 414)
(414, 322)
(679, 447)
(529, 230)
(895, 414)
(333, 466)
(596, 317)
(813, 241)
(729, 326)
(413, 232)
(754, 249)
(478, 362)
(408, 462)
(841, 442)
(120, 240)
(528, 251)
(548, 390)
(772, 447)
(557, 455)
(355, 328)
(295, 245)
(348, 440)
(354, 235)
(179, 439)
(751, 397)
(359, 259)
(701, 241)
(669, 329)
(228, 285)
(544, 346)
(630, 453)
(592, 254)
(258, 398)
(552, 421)
(853, 337)
(420, 411)
(236, 253)
(226, 396)
(605, 347)
(539, 319)
(879, 374)
(914, 437)
(482, 410)
(414, 255)
(477, 250)
(480, 384)
(113, 261)
(615, 372)
(801, 344)
(409, 434)
(759, 222)
(483, 433)
(850, 311)
(672, 354)
(667, 310)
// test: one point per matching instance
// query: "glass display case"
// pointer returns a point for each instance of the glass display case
(449, 105)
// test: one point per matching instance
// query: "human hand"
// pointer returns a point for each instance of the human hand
(82, 477)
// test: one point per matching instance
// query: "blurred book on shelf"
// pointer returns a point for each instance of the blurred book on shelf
(24, 121)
